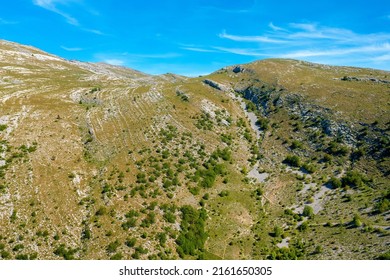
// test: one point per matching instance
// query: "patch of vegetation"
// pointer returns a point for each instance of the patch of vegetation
(293, 160)
(192, 236)
(65, 252)
(204, 121)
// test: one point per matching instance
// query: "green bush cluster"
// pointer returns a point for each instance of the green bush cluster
(66, 253)
(293, 160)
(204, 122)
(354, 179)
(192, 235)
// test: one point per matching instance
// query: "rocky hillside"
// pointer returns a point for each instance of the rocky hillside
(277, 159)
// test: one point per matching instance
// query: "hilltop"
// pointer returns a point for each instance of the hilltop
(275, 159)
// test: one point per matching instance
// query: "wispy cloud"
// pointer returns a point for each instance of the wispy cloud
(311, 41)
(6, 22)
(51, 5)
(129, 59)
(275, 28)
(54, 6)
(241, 51)
(72, 49)
(114, 61)
(94, 31)
(196, 49)
(158, 55)
(258, 39)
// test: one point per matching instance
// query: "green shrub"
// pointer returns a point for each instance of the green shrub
(335, 183)
(303, 226)
(192, 236)
(262, 123)
(295, 144)
(66, 253)
(310, 168)
(113, 246)
(293, 160)
(117, 256)
(86, 234)
(385, 256)
(169, 217)
(277, 231)
(308, 211)
(383, 205)
(354, 179)
(357, 222)
(223, 193)
(130, 242)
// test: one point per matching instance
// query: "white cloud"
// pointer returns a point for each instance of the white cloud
(51, 5)
(275, 28)
(94, 31)
(114, 61)
(163, 55)
(382, 58)
(312, 41)
(310, 27)
(195, 49)
(259, 39)
(72, 49)
(248, 52)
(340, 51)
(6, 22)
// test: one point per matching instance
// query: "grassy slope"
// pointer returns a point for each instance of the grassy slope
(95, 128)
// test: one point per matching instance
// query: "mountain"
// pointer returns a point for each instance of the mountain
(275, 159)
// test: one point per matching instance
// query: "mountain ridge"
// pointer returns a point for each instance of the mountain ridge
(273, 159)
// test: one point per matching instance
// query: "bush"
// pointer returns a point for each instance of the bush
(293, 160)
(335, 183)
(117, 256)
(385, 256)
(336, 149)
(131, 222)
(224, 193)
(101, 211)
(303, 226)
(113, 246)
(192, 235)
(130, 242)
(353, 179)
(296, 145)
(162, 238)
(262, 123)
(308, 212)
(357, 222)
(277, 231)
(86, 234)
(310, 168)
(66, 253)
(169, 217)
(383, 205)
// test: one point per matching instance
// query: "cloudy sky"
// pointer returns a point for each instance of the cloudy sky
(194, 37)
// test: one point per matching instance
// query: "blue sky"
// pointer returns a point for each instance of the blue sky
(196, 37)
